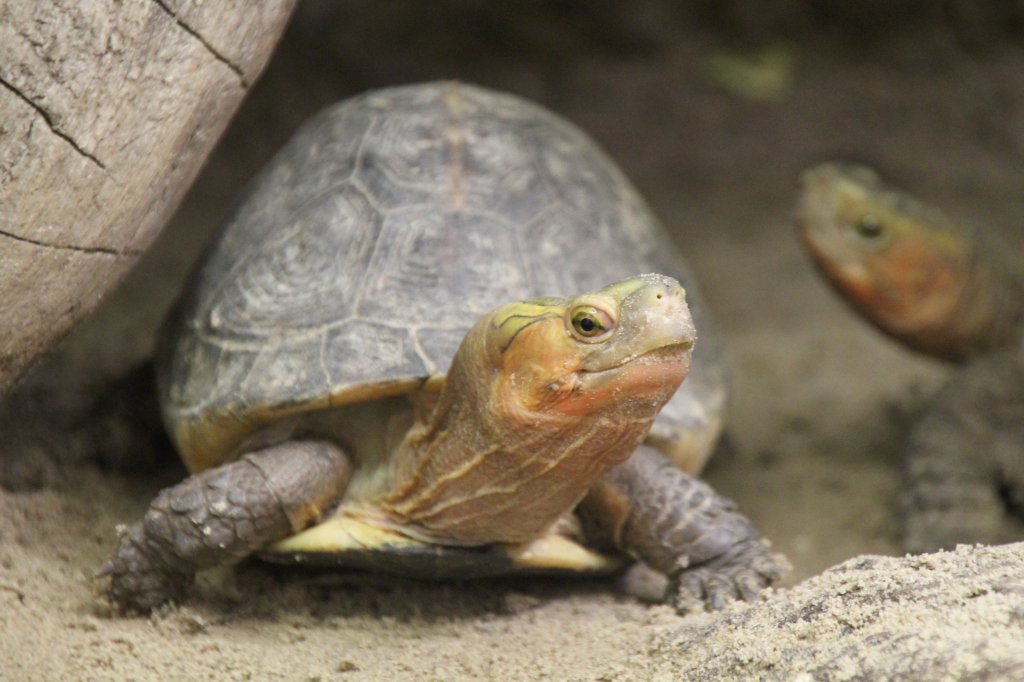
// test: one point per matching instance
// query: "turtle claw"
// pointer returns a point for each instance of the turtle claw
(749, 585)
(137, 582)
(701, 589)
(686, 593)
(741, 575)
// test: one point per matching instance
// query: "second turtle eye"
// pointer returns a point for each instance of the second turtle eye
(590, 322)
(869, 228)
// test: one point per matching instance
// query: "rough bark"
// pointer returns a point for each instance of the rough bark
(950, 615)
(107, 110)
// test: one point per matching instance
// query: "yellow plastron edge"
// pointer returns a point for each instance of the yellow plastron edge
(547, 553)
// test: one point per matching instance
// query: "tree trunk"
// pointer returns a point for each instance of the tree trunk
(108, 108)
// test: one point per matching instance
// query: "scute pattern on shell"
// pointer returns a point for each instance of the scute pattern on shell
(385, 228)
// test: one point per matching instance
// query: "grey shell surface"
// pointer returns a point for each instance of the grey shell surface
(370, 244)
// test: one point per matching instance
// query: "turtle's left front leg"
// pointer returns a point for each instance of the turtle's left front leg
(222, 515)
(680, 526)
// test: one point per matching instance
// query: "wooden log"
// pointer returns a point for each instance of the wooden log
(108, 108)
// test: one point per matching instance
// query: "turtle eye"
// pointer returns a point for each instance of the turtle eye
(589, 322)
(869, 228)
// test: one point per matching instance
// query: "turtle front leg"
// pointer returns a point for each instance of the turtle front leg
(680, 526)
(965, 469)
(221, 516)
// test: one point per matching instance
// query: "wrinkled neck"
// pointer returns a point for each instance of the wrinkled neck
(481, 468)
(988, 314)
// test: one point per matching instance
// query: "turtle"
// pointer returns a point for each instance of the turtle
(951, 293)
(389, 361)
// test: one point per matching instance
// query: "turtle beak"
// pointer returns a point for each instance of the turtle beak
(653, 317)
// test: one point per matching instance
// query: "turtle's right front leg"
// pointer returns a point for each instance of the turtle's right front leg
(680, 526)
(222, 515)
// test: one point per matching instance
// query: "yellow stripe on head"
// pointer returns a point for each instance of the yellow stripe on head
(508, 321)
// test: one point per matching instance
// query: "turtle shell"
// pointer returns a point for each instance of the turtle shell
(364, 251)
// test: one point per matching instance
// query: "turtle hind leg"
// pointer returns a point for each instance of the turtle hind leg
(965, 461)
(680, 526)
(220, 516)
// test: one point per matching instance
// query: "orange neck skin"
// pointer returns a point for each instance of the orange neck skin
(506, 452)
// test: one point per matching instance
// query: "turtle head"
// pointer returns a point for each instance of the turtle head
(897, 262)
(541, 399)
(627, 345)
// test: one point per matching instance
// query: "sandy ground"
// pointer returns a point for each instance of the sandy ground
(821, 406)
